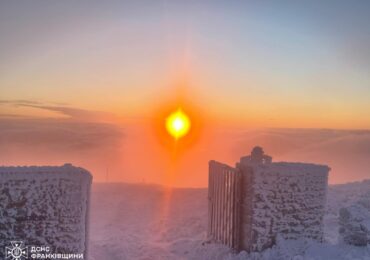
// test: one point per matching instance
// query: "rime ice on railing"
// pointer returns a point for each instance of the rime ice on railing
(270, 199)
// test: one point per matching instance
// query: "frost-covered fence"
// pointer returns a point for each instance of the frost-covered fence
(224, 209)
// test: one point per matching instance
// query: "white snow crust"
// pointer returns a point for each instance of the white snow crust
(134, 221)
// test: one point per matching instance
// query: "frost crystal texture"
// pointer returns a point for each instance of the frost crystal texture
(354, 222)
(45, 206)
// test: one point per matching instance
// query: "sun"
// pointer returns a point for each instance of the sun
(178, 124)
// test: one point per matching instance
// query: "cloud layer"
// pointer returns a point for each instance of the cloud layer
(129, 152)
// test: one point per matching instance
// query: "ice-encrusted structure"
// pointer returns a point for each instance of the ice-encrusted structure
(354, 222)
(275, 199)
(45, 206)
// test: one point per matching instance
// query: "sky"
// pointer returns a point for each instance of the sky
(89, 82)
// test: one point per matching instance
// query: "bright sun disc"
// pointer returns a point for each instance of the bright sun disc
(178, 124)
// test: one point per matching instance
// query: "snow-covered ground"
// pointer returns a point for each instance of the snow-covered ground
(131, 221)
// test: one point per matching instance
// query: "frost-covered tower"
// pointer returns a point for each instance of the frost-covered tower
(253, 203)
(45, 206)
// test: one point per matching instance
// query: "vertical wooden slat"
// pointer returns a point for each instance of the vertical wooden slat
(229, 237)
(217, 233)
(225, 206)
(209, 201)
(222, 212)
(214, 203)
(212, 220)
(220, 208)
(220, 179)
(230, 210)
(223, 209)
(228, 207)
(234, 210)
(222, 198)
(232, 221)
(236, 226)
(237, 211)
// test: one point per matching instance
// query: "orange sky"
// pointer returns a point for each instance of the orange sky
(94, 87)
